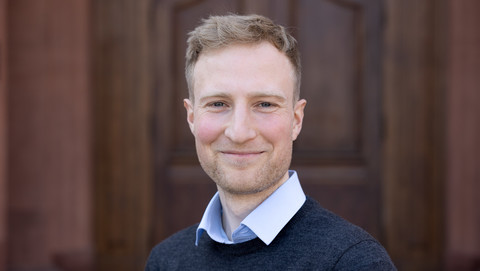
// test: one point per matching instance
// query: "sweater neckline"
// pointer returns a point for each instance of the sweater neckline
(253, 245)
(240, 249)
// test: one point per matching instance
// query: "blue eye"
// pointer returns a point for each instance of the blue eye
(218, 104)
(265, 104)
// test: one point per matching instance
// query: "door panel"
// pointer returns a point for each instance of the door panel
(327, 36)
(337, 153)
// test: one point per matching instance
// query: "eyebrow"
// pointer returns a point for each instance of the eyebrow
(260, 94)
(214, 95)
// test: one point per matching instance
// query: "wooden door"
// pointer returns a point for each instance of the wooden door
(337, 154)
(3, 137)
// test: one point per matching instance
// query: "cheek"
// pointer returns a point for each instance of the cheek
(207, 129)
(277, 130)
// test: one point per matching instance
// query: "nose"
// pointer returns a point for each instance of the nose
(240, 127)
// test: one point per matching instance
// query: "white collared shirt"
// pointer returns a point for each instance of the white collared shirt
(264, 222)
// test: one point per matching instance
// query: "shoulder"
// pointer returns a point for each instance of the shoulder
(339, 243)
(313, 219)
(173, 247)
(365, 255)
(178, 241)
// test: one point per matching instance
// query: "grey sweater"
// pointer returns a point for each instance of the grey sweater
(314, 239)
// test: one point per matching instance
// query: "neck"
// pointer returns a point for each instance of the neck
(238, 206)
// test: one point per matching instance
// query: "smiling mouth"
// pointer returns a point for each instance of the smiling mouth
(242, 153)
(241, 159)
(241, 156)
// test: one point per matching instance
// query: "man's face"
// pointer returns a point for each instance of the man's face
(244, 117)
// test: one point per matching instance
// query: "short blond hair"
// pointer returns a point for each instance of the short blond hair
(221, 31)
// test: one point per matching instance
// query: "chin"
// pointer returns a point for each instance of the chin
(235, 190)
(244, 184)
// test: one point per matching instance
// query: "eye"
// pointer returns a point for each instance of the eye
(217, 104)
(266, 107)
(265, 104)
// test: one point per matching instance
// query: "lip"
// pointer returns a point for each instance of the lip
(242, 153)
(241, 159)
(243, 156)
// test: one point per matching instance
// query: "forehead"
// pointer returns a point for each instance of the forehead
(254, 67)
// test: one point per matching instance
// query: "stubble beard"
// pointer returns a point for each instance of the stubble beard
(248, 181)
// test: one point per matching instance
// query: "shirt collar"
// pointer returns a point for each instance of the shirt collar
(266, 221)
(212, 221)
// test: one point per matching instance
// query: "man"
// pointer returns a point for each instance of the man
(244, 110)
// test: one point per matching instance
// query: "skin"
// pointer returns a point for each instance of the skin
(244, 119)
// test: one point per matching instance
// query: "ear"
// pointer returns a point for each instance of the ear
(190, 118)
(298, 118)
